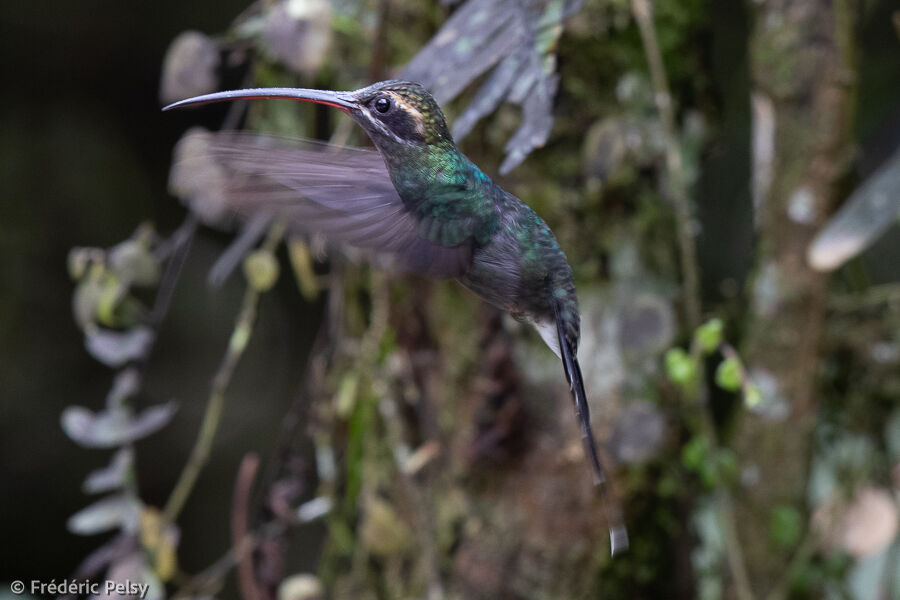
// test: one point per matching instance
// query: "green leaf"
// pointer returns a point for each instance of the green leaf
(695, 453)
(112, 291)
(341, 536)
(346, 395)
(709, 335)
(752, 396)
(357, 429)
(728, 375)
(86, 301)
(709, 475)
(786, 526)
(681, 368)
(726, 464)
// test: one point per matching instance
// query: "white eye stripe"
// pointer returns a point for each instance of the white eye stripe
(411, 110)
(403, 104)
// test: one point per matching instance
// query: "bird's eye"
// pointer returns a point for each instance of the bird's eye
(382, 105)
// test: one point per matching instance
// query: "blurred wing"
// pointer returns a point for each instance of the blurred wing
(344, 194)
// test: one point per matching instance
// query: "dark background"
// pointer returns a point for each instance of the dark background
(84, 157)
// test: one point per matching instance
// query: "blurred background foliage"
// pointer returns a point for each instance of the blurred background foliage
(386, 437)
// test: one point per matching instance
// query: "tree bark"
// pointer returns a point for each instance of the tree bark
(803, 92)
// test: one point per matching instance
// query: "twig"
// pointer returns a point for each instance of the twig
(201, 450)
(643, 14)
(378, 324)
(311, 387)
(733, 553)
(366, 363)
(400, 450)
(176, 249)
(199, 584)
(722, 497)
(243, 330)
(240, 508)
(422, 521)
(802, 555)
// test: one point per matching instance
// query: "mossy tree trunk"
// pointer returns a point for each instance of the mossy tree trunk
(803, 92)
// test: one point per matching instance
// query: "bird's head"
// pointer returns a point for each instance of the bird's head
(401, 111)
(392, 112)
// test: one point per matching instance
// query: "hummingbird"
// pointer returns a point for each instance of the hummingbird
(419, 201)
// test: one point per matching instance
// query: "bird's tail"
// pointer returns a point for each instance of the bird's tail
(618, 533)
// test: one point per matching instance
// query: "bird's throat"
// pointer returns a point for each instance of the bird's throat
(431, 171)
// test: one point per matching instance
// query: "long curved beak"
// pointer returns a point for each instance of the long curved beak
(342, 100)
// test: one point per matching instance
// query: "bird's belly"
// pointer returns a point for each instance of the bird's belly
(526, 276)
(496, 276)
(494, 285)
